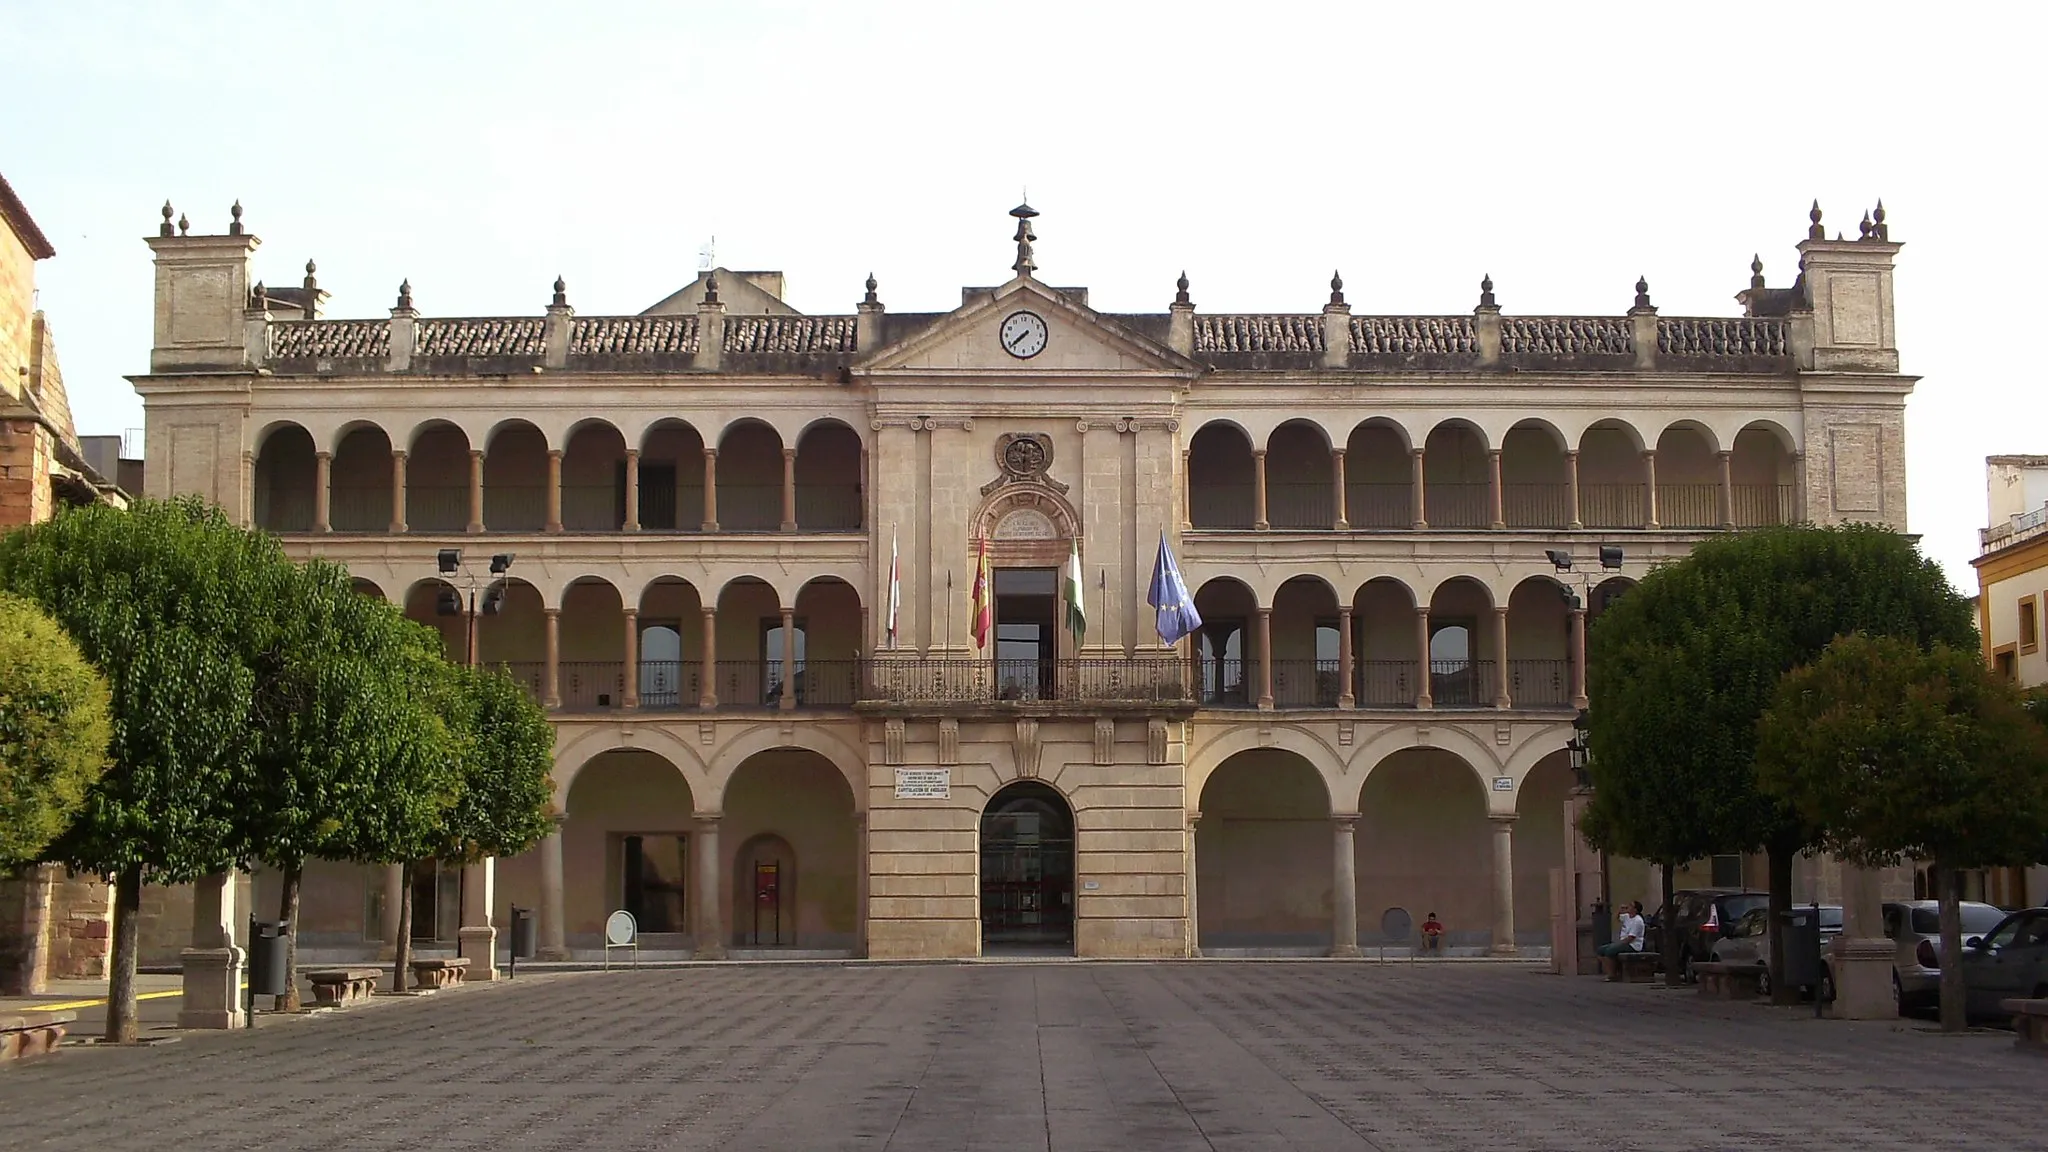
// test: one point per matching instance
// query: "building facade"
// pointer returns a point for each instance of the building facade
(765, 742)
(2012, 593)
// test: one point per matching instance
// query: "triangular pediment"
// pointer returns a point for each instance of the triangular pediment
(1079, 341)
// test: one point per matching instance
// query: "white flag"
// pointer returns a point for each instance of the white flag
(895, 587)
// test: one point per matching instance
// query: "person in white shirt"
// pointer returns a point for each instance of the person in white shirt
(1632, 932)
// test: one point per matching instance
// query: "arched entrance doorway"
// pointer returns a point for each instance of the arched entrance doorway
(764, 896)
(1027, 869)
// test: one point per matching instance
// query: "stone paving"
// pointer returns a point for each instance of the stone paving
(1122, 1057)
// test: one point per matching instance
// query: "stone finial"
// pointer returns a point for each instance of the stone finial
(1336, 288)
(405, 294)
(165, 229)
(259, 299)
(1643, 293)
(561, 299)
(1180, 289)
(1026, 263)
(1486, 299)
(311, 285)
(871, 298)
(184, 225)
(711, 288)
(1756, 271)
(1863, 230)
(1813, 229)
(235, 225)
(1878, 226)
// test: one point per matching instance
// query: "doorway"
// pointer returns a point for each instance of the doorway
(1027, 644)
(1027, 869)
(764, 903)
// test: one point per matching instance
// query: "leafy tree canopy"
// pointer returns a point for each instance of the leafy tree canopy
(506, 749)
(54, 730)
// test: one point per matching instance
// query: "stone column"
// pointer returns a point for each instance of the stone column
(1650, 489)
(551, 682)
(1342, 520)
(1799, 515)
(1571, 483)
(476, 492)
(1422, 697)
(710, 922)
(1494, 492)
(478, 935)
(387, 925)
(632, 523)
(1861, 958)
(323, 496)
(1344, 896)
(707, 692)
(631, 696)
(554, 932)
(1415, 485)
(1503, 885)
(1347, 696)
(1727, 489)
(397, 491)
(1194, 904)
(554, 493)
(1266, 659)
(1579, 656)
(789, 489)
(1259, 520)
(1502, 698)
(213, 965)
(860, 883)
(710, 490)
(1187, 502)
(788, 700)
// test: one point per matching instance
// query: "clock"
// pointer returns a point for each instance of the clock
(1023, 335)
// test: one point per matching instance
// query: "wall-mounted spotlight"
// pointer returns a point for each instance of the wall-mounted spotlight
(1562, 560)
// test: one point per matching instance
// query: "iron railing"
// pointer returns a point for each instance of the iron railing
(933, 680)
(1461, 683)
(1540, 683)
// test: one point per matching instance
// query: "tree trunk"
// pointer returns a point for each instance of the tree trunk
(121, 1022)
(1780, 859)
(1666, 938)
(401, 949)
(1955, 1014)
(288, 911)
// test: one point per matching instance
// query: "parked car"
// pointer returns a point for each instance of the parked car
(1748, 940)
(2009, 962)
(1702, 916)
(1914, 927)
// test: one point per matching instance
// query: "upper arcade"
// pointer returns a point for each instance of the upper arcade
(213, 315)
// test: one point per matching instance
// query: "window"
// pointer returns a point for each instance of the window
(2030, 626)
(1223, 663)
(772, 641)
(661, 664)
(2006, 662)
(1328, 663)
(1453, 682)
(652, 877)
(1727, 872)
(436, 901)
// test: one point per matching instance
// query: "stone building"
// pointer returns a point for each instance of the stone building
(700, 506)
(2012, 593)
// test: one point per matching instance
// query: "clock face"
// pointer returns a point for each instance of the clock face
(1023, 335)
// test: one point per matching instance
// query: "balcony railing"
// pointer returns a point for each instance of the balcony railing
(1461, 683)
(1105, 680)
(1385, 684)
(1540, 683)
(1305, 683)
(1689, 505)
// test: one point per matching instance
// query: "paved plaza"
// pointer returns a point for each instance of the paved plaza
(1112, 1056)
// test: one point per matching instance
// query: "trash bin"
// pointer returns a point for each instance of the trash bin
(1603, 928)
(523, 933)
(266, 957)
(1801, 927)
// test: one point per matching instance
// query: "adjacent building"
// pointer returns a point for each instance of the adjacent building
(2012, 594)
(736, 551)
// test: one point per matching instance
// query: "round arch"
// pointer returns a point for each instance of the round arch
(1210, 755)
(271, 429)
(515, 424)
(1704, 431)
(1785, 438)
(766, 738)
(1454, 739)
(438, 424)
(577, 745)
(1026, 840)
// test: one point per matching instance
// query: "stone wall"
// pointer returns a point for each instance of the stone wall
(26, 451)
(81, 927)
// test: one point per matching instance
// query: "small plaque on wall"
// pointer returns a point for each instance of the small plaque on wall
(1503, 783)
(924, 783)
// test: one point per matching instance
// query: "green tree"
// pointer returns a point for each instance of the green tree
(348, 749)
(54, 730)
(1903, 753)
(1681, 669)
(159, 598)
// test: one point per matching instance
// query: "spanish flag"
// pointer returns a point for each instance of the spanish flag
(982, 598)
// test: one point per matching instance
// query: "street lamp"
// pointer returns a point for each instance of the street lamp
(450, 601)
(1581, 748)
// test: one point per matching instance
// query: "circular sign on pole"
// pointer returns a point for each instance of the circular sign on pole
(620, 929)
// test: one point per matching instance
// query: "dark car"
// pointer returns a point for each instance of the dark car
(2008, 963)
(1702, 916)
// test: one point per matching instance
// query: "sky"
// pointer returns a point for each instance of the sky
(481, 149)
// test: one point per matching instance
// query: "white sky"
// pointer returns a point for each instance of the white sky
(480, 149)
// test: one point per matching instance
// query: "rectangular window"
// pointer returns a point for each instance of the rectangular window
(1727, 872)
(2005, 661)
(2030, 627)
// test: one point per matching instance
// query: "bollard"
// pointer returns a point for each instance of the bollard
(523, 937)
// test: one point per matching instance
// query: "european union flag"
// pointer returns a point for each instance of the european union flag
(1169, 595)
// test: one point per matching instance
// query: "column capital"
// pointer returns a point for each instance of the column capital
(1194, 818)
(1500, 610)
(630, 611)
(550, 611)
(398, 453)
(1493, 452)
(1345, 821)
(1503, 819)
(476, 453)
(707, 817)
(1264, 610)
(554, 453)
(1649, 453)
(709, 610)
(632, 453)
(710, 452)
(1337, 452)
(323, 454)
(1258, 453)
(1724, 454)
(1422, 611)
(788, 453)
(1571, 453)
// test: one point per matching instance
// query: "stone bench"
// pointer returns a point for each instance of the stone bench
(340, 987)
(440, 973)
(24, 1034)
(1632, 967)
(1731, 981)
(2029, 1024)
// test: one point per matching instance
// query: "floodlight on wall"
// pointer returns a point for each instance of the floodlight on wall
(501, 562)
(448, 602)
(451, 560)
(494, 599)
(1562, 560)
(1610, 556)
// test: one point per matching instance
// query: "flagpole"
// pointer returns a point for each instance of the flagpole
(949, 612)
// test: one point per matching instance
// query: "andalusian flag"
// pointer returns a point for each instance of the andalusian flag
(982, 598)
(1077, 620)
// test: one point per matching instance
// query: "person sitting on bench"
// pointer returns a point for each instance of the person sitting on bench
(1632, 930)
(1432, 935)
